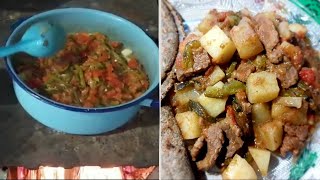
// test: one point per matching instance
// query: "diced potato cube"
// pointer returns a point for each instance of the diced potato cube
(189, 124)
(213, 106)
(289, 114)
(239, 168)
(262, 159)
(289, 101)
(218, 45)
(298, 29)
(262, 87)
(269, 135)
(261, 113)
(246, 40)
(216, 76)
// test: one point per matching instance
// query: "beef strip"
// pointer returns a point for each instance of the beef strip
(243, 101)
(242, 116)
(243, 123)
(201, 60)
(285, 72)
(232, 131)
(266, 31)
(300, 131)
(213, 135)
(200, 57)
(291, 144)
(174, 159)
(244, 70)
(197, 147)
(215, 139)
(275, 56)
(294, 139)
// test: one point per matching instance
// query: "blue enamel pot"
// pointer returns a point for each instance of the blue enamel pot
(87, 121)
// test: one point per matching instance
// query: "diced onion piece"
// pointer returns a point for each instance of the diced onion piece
(290, 101)
(126, 53)
(298, 29)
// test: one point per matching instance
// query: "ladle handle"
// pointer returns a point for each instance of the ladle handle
(19, 47)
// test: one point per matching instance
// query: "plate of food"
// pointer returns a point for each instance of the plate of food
(240, 90)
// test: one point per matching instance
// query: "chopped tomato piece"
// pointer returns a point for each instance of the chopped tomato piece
(307, 75)
(97, 73)
(116, 44)
(93, 45)
(231, 114)
(35, 83)
(83, 38)
(93, 91)
(104, 56)
(133, 63)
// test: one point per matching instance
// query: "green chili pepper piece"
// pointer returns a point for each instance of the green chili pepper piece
(260, 62)
(294, 92)
(230, 69)
(187, 54)
(197, 108)
(302, 85)
(233, 87)
(229, 88)
(81, 77)
(234, 20)
(183, 85)
(215, 92)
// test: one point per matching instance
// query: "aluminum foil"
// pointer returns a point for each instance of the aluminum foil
(193, 11)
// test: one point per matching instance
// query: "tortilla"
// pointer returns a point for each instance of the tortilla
(169, 40)
(172, 31)
(175, 163)
(167, 84)
(178, 21)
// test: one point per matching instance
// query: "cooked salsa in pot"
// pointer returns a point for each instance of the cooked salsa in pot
(91, 71)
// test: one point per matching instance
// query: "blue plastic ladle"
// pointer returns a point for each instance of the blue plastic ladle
(42, 39)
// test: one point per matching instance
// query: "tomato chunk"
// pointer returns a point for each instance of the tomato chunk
(307, 75)
(133, 63)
